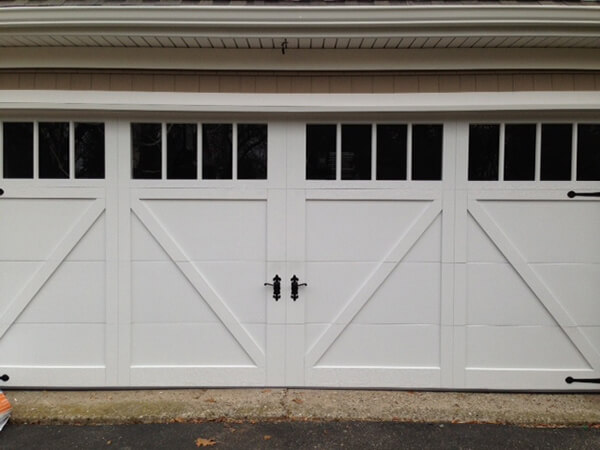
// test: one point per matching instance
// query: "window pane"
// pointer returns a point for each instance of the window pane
(356, 152)
(18, 149)
(146, 155)
(427, 152)
(320, 152)
(484, 151)
(556, 151)
(54, 149)
(391, 152)
(182, 151)
(519, 152)
(217, 151)
(89, 150)
(588, 152)
(252, 152)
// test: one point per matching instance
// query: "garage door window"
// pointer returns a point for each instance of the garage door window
(588, 152)
(529, 152)
(374, 152)
(225, 151)
(53, 150)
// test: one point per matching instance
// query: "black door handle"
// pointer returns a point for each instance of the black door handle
(295, 287)
(570, 380)
(276, 287)
(573, 194)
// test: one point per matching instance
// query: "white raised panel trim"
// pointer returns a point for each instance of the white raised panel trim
(190, 271)
(535, 283)
(373, 281)
(43, 274)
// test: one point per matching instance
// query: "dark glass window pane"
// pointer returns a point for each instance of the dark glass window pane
(427, 152)
(519, 152)
(320, 152)
(54, 149)
(356, 152)
(182, 151)
(89, 150)
(484, 151)
(252, 152)
(588, 152)
(18, 149)
(556, 151)
(146, 156)
(391, 152)
(217, 151)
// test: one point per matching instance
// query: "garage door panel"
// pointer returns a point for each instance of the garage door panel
(497, 295)
(428, 247)
(39, 345)
(576, 287)
(570, 227)
(143, 246)
(92, 246)
(32, 228)
(246, 296)
(522, 347)
(384, 345)
(14, 276)
(160, 293)
(411, 294)
(335, 229)
(186, 344)
(332, 285)
(239, 224)
(480, 247)
(75, 293)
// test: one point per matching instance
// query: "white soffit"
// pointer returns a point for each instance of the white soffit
(304, 27)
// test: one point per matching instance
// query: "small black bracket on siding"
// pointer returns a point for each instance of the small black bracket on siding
(570, 380)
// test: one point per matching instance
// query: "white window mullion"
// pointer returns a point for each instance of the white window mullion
(373, 152)
(234, 144)
(71, 150)
(36, 150)
(338, 152)
(574, 136)
(199, 150)
(538, 151)
(409, 151)
(163, 150)
(501, 152)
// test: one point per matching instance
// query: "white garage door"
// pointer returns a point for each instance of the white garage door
(434, 253)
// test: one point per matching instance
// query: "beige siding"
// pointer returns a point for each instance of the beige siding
(301, 82)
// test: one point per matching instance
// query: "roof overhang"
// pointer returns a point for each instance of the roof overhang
(296, 22)
(411, 37)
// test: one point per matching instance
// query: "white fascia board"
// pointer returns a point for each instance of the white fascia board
(282, 21)
(42, 100)
(449, 59)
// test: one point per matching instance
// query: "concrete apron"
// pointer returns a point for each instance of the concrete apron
(200, 405)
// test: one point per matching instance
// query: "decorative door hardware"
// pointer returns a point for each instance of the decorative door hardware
(1, 191)
(276, 287)
(570, 380)
(573, 194)
(295, 287)
(4, 377)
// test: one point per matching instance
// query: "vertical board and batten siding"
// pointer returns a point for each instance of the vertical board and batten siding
(301, 82)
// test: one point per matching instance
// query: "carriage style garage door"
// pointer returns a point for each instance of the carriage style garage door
(426, 254)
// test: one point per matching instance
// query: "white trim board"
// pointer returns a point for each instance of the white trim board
(53, 100)
(300, 59)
